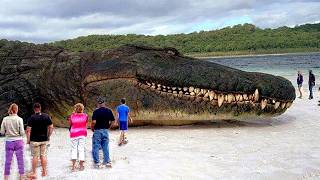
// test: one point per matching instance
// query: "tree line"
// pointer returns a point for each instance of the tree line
(246, 37)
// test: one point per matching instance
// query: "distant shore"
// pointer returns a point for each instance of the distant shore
(253, 53)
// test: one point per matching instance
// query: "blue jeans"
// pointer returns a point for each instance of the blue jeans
(100, 140)
(310, 89)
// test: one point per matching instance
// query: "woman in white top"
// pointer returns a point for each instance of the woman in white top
(12, 127)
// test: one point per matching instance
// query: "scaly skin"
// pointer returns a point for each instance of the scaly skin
(161, 85)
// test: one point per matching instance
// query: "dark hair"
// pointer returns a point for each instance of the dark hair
(123, 100)
(100, 100)
(37, 106)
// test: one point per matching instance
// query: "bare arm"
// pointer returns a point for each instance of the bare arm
(130, 119)
(92, 124)
(28, 134)
(50, 130)
(3, 129)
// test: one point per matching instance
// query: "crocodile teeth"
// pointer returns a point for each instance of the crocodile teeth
(211, 95)
(174, 88)
(197, 90)
(230, 98)
(203, 91)
(180, 92)
(149, 84)
(240, 98)
(185, 89)
(192, 94)
(245, 97)
(206, 95)
(263, 103)
(191, 89)
(159, 85)
(175, 92)
(256, 95)
(153, 87)
(283, 105)
(288, 104)
(220, 99)
(276, 105)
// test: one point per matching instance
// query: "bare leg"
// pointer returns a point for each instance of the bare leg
(44, 165)
(81, 165)
(34, 162)
(73, 164)
(300, 92)
(121, 138)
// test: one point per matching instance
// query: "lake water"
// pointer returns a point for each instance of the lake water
(281, 65)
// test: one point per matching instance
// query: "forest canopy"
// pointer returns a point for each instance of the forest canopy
(246, 37)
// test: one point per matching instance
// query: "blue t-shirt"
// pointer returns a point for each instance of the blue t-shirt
(123, 111)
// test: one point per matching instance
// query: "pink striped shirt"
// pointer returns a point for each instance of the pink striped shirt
(78, 124)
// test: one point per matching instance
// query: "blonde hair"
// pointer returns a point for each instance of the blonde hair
(78, 108)
(13, 109)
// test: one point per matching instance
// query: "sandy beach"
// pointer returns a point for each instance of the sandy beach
(285, 147)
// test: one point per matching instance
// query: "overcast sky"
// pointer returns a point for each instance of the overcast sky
(50, 20)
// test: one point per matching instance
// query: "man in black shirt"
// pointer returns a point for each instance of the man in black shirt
(312, 83)
(39, 130)
(102, 119)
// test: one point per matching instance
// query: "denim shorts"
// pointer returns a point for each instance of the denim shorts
(123, 125)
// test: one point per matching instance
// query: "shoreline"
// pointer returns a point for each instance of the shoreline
(252, 55)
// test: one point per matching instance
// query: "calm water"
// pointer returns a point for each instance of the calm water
(281, 65)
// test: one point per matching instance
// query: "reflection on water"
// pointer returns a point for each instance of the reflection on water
(280, 65)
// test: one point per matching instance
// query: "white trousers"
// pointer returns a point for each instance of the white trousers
(78, 148)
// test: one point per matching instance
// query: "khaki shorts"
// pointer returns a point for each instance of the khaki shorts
(39, 148)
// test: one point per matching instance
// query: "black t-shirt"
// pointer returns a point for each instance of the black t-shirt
(103, 116)
(39, 127)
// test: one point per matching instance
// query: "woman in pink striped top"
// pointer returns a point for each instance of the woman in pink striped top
(78, 133)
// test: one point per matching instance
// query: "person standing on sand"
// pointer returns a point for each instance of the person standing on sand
(78, 133)
(123, 116)
(102, 119)
(39, 130)
(312, 83)
(299, 82)
(12, 127)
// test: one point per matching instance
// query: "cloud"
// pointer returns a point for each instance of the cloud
(45, 20)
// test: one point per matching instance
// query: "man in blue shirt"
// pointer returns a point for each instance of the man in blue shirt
(123, 116)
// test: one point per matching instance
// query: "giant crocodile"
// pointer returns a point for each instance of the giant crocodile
(161, 85)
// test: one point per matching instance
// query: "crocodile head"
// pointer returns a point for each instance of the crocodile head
(161, 86)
